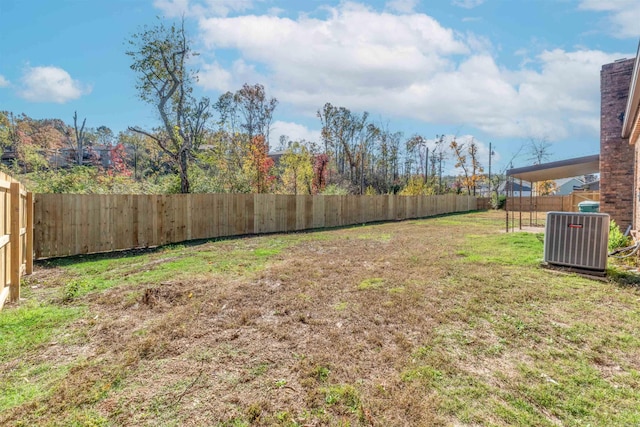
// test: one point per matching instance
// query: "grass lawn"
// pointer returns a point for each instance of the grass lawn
(441, 321)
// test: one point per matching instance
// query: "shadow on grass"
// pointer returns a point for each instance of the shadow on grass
(623, 277)
(119, 254)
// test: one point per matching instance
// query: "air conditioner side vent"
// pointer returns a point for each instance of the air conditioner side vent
(577, 240)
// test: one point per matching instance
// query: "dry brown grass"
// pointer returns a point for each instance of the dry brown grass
(412, 323)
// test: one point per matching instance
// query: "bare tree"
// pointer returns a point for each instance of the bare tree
(538, 150)
(539, 153)
(438, 157)
(461, 161)
(80, 138)
(414, 153)
(387, 161)
(257, 110)
(476, 167)
(160, 55)
(104, 135)
(498, 178)
(341, 133)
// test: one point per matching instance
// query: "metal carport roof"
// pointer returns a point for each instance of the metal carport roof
(555, 170)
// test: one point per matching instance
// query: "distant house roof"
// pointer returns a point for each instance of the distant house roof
(565, 186)
(276, 156)
(561, 181)
(593, 185)
(506, 186)
(555, 170)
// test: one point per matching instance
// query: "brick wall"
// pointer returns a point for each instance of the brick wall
(616, 154)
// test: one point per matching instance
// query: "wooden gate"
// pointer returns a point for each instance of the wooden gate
(582, 196)
(16, 237)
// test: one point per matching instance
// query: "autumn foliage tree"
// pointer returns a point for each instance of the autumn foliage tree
(256, 109)
(258, 166)
(320, 172)
(296, 169)
(544, 188)
(466, 155)
(242, 116)
(230, 155)
(117, 156)
(249, 110)
(31, 139)
(340, 131)
(350, 140)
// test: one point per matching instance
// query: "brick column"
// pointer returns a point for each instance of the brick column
(616, 154)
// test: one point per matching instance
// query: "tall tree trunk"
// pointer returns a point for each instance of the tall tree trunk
(80, 135)
(184, 178)
(79, 153)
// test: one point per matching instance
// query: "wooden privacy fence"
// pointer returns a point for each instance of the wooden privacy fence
(567, 203)
(539, 204)
(483, 203)
(16, 237)
(577, 197)
(72, 224)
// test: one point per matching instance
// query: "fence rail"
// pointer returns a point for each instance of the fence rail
(72, 224)
(16, 237)
(568, 203)
(539, 204)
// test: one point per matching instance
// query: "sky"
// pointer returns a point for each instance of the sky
(504, 72)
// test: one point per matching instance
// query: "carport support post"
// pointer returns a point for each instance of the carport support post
(520, 203)
(506, 202)
(531, 205)
(513, 212)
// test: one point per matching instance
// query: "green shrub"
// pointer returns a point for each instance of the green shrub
(94, 180)
(498, 202)
(616, 238)
(71, 291)
(335, 190)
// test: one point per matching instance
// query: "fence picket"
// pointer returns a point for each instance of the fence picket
(70, 224)
(16, 237)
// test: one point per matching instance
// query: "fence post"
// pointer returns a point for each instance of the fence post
(14, 239)
(29, 235)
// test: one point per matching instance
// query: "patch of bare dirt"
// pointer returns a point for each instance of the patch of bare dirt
(270, 347)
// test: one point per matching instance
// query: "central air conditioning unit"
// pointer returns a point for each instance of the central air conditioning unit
(577, 240)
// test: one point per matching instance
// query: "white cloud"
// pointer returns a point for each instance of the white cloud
(623, 15)
(415, 68)
(214, 77)
(51, 84)
(3, 82)
(402, 6)
(276, 11)
(173, 8)
(467, 4)
(294, 131)
(217, 78)
(313, 57)
(561, 98)
(178, 8)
